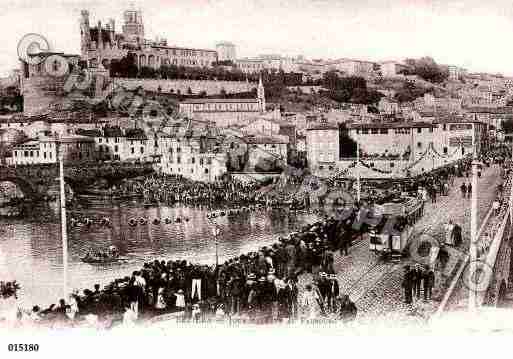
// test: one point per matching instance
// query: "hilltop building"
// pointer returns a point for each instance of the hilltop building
(101, 44)
(225, 112)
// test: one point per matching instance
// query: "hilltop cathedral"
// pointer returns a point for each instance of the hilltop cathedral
(101, 45)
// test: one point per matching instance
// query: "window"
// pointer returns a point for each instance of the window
(44, 155)
(201, 161)
(392, 164)
(50, 155)
(374, 131)
(431, 129)
(31, 153)
(206, 170)
(142, 150)
(178, 159)
(192, 170)
(321, 167)
(193, 160)
(419, 130)
(133, 150)
(419, 144)
(116, 148)
(445, 127)
(445, 150)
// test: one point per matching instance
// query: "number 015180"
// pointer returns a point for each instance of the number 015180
(23, 347)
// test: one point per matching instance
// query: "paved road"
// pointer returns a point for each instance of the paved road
(375, 286)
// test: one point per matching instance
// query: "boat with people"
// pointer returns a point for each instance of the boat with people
(100, 257)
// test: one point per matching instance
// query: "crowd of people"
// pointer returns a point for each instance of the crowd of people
(172, 189)
(258, 287)
(261, 286)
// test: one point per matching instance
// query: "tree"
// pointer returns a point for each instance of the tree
(507, 125)
(409, 92)
(147, 72)
(428, 69)
(124, 67)
(348, 146)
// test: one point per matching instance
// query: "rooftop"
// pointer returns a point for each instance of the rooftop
(391, 125)
(220, 100)
(264, 139)
(322, 126)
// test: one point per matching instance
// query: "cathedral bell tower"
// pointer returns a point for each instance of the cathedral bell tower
(85, 33)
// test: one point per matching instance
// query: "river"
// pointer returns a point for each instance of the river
(31, 248)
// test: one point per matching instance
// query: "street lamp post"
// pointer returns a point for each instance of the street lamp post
(358, 185)
(216, 231)
(64, 231)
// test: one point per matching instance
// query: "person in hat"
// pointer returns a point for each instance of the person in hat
(429, 282)
(407, 285)
(323, 287)
(348, 310)
(333, 292)
(271, 275)
(180, 299)
(417, 275)
(309, 303)
(196, 312)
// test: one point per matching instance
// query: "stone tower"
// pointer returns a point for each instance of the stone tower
(133, 28)
(85, 32)
(261, 95)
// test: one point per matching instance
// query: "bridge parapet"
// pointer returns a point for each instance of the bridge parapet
(496, 257)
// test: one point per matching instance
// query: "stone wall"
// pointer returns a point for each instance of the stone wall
(196, 86)
(40, 93)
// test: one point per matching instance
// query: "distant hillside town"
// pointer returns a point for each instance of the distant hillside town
(223, 114)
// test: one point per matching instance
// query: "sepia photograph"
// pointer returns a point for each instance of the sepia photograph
(209, 169)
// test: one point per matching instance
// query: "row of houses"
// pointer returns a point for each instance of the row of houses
(406, 142)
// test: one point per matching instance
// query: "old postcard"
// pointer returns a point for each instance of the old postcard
(264, 166)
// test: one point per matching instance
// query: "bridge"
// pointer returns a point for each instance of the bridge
(35, 180)
(490, 276)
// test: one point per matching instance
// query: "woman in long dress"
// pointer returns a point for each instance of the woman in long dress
(449, 229)
(310, 303)
(160, 302)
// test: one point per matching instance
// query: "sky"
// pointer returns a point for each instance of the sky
(473, 34)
